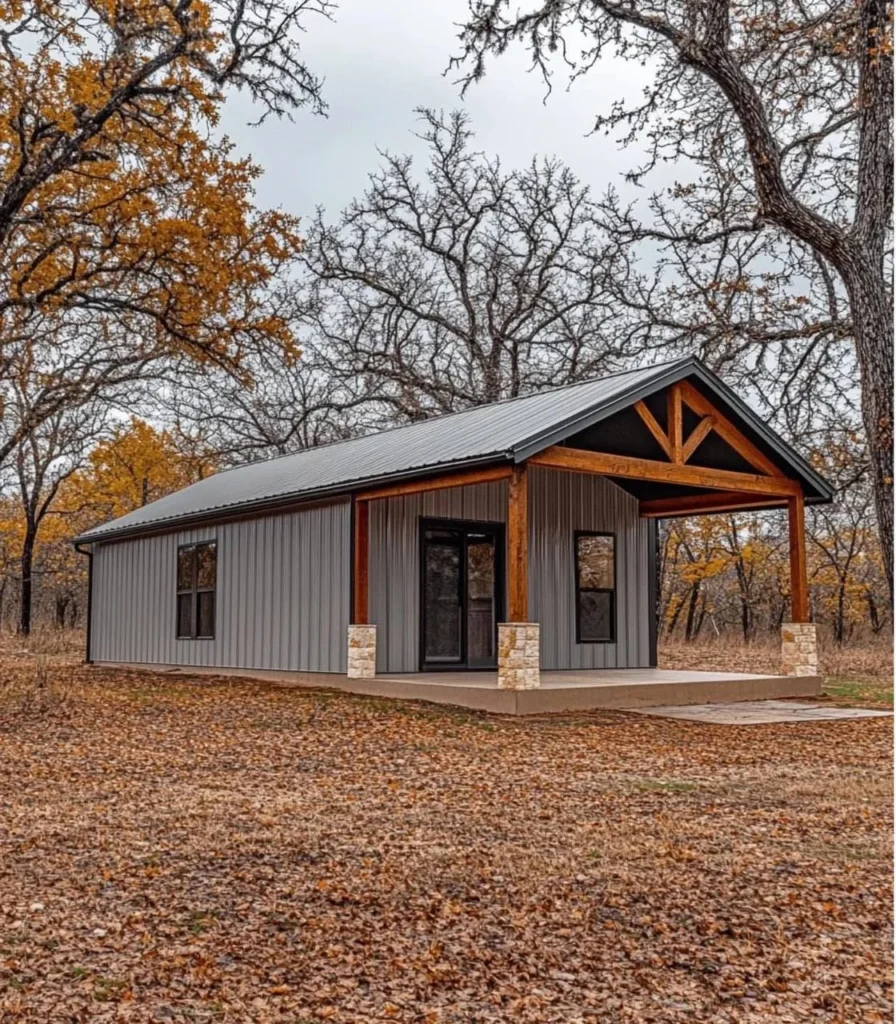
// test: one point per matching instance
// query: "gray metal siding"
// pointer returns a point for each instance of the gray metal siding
(282, 595)
(559, 504)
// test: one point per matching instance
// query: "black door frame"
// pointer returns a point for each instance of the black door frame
(464, 527)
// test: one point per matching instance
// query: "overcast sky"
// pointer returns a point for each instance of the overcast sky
(382, 58)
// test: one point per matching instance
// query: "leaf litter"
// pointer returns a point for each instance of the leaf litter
(229, 851)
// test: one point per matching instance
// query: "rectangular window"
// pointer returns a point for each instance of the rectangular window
(595, 567)
(197, 574)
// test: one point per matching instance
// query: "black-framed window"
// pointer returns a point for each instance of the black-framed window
(197, 576)
(595, 566)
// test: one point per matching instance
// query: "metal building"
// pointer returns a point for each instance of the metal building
(538, 511)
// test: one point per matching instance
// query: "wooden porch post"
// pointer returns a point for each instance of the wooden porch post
(360, 562)
(518, 545)
(799, 584)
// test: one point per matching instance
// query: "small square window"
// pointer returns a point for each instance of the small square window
(206, 613)
(206, 565)
(185, 562)
(185, 615)
(595, 615)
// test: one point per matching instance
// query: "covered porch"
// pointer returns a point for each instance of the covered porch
(676, 451)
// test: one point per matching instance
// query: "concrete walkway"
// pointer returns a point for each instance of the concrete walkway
(760, 712)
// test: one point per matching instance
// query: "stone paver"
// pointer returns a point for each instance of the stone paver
(759, 712)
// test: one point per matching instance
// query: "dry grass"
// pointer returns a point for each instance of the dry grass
(870, 660)
(214, 851)
(30, 683)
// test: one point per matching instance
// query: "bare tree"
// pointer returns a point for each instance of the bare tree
(62, 363)
(786, 104)
(471, 285)
(278, 407)
(47, 457)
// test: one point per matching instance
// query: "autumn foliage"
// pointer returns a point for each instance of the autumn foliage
(118, 194)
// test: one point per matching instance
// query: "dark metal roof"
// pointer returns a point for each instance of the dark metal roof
(511, 430)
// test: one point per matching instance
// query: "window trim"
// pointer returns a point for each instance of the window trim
(195, 591)
(578, 590)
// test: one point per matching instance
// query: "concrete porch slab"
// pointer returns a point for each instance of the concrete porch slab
(761, 712)
(617, 689)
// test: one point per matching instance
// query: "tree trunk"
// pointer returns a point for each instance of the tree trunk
(27, 562)
(840, 618)
(872, 318)
(873, 614)
(673, 620)
(690, 632)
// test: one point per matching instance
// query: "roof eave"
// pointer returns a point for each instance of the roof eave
(259, 506)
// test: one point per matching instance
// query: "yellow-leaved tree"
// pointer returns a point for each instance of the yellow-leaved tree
(135, 465)
(120, 206)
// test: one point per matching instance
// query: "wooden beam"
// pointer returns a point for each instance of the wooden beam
(360, 563)
(581, 461)
(436, 483)
(518, 546)
(703, 504)
(697, 436)
(727, 430)
(799, 581)
(673, 421)
(658, 433)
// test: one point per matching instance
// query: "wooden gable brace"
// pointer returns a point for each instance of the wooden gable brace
(679, 450)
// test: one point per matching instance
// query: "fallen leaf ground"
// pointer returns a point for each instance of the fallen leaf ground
(214, 851)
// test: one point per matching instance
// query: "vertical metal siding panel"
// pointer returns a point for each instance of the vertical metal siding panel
(120, 570)
(644, 610)
(244, 584)
(261, 618)
(276, 616)
(289, 584)
(323, 572)
(317, 583)
(345, 594)
(107, 620)
(309, 587)
(155, 599)
(168, 620)
(145, 625)
(101, 606)
(239, 595)
(134, 556)
(303, 580)
(98, 603)
(224, 595)
(274, 537)
(314, 569)
(156, 636)
(284, 558)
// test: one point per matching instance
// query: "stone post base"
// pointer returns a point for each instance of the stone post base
(799, 649)
(518, 656)
(361, 652)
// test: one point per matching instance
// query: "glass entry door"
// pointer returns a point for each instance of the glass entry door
(460, 590)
